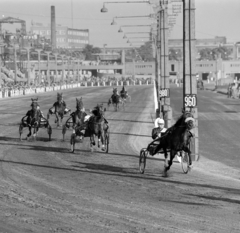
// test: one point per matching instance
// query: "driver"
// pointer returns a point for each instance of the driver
(55, 105)
(159, 128)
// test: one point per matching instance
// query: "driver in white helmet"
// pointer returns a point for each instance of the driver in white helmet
(159, 128)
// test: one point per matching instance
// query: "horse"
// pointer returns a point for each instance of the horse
(59, 109)
(95, 126)
(115, 100)
(33, 119)
(176, 139)
(76, 118)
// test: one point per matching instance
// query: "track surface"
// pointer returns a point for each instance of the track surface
(44, 188)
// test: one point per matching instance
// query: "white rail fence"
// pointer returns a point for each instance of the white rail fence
(6, 93)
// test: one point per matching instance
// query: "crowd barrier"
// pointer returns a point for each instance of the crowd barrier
(27, 91)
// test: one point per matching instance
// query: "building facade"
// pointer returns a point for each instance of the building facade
(65, 37)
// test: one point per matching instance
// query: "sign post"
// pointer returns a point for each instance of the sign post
(189, 75)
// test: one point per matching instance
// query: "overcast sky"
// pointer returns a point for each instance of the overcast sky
(213, 18)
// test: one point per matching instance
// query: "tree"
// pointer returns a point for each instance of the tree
(213, 54)
(175, 54)
(146, 51)
(89, 50)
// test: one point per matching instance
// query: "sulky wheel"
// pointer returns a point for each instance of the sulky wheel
(185, 162)
(142, 161)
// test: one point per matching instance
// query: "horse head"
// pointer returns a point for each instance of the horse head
(79, 105)
(189, 120)
(185, 120)
(34, 104)
(99, 111)
(59, 97)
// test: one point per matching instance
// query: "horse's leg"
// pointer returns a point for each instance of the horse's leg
(92, 142)
(72, 142)
(57, 119)
(103, 139)
(99, 140)
(186, 149)
(48, 115)
(166, 162)
(61, 118)
(30, 132)
(172, 155)
(35, 132)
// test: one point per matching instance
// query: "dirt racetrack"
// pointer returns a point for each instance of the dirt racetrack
(44, 188)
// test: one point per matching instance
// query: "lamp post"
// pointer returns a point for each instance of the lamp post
(14, 40)
(104, 9)
(28, 64)
(48, 76)
(104, 48)
(63, 65)
(56, 72)
(39, 75)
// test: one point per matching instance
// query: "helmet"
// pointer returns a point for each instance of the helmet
(159, 121)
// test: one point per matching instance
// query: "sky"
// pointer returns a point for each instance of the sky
(213, 18)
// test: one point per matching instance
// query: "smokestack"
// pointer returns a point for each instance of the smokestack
(53, 28)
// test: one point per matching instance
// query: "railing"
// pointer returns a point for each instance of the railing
(12, 92)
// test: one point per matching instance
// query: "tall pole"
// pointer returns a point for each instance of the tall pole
(62, 56)
(190, 88)
(39, 54)
(28, 64)
(164, 64)
(157, 60)
(56, 55)
(15, 64)
(78, 72)
(53, 28)
(48, 76)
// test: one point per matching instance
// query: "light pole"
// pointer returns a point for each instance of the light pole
(39, 56)
(104, 48)
(48, 76)
(56, 71)
(28, 64)
(14, 40)
(63, 65)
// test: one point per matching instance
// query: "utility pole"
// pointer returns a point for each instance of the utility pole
(164, 69)
(157, 64)
(189, 75)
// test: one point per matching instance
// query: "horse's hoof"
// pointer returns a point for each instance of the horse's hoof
(165, 174)
(103, 149)
(190, 167)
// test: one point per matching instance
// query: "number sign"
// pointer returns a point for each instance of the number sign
(190, 100)
(164, 92)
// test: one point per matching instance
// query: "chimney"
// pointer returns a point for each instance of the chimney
(53, 28)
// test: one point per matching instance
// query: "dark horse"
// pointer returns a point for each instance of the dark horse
(176, 139)
(95, 126)
(59, 109)
(76, 118)
(115, 100)
(33, 119)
